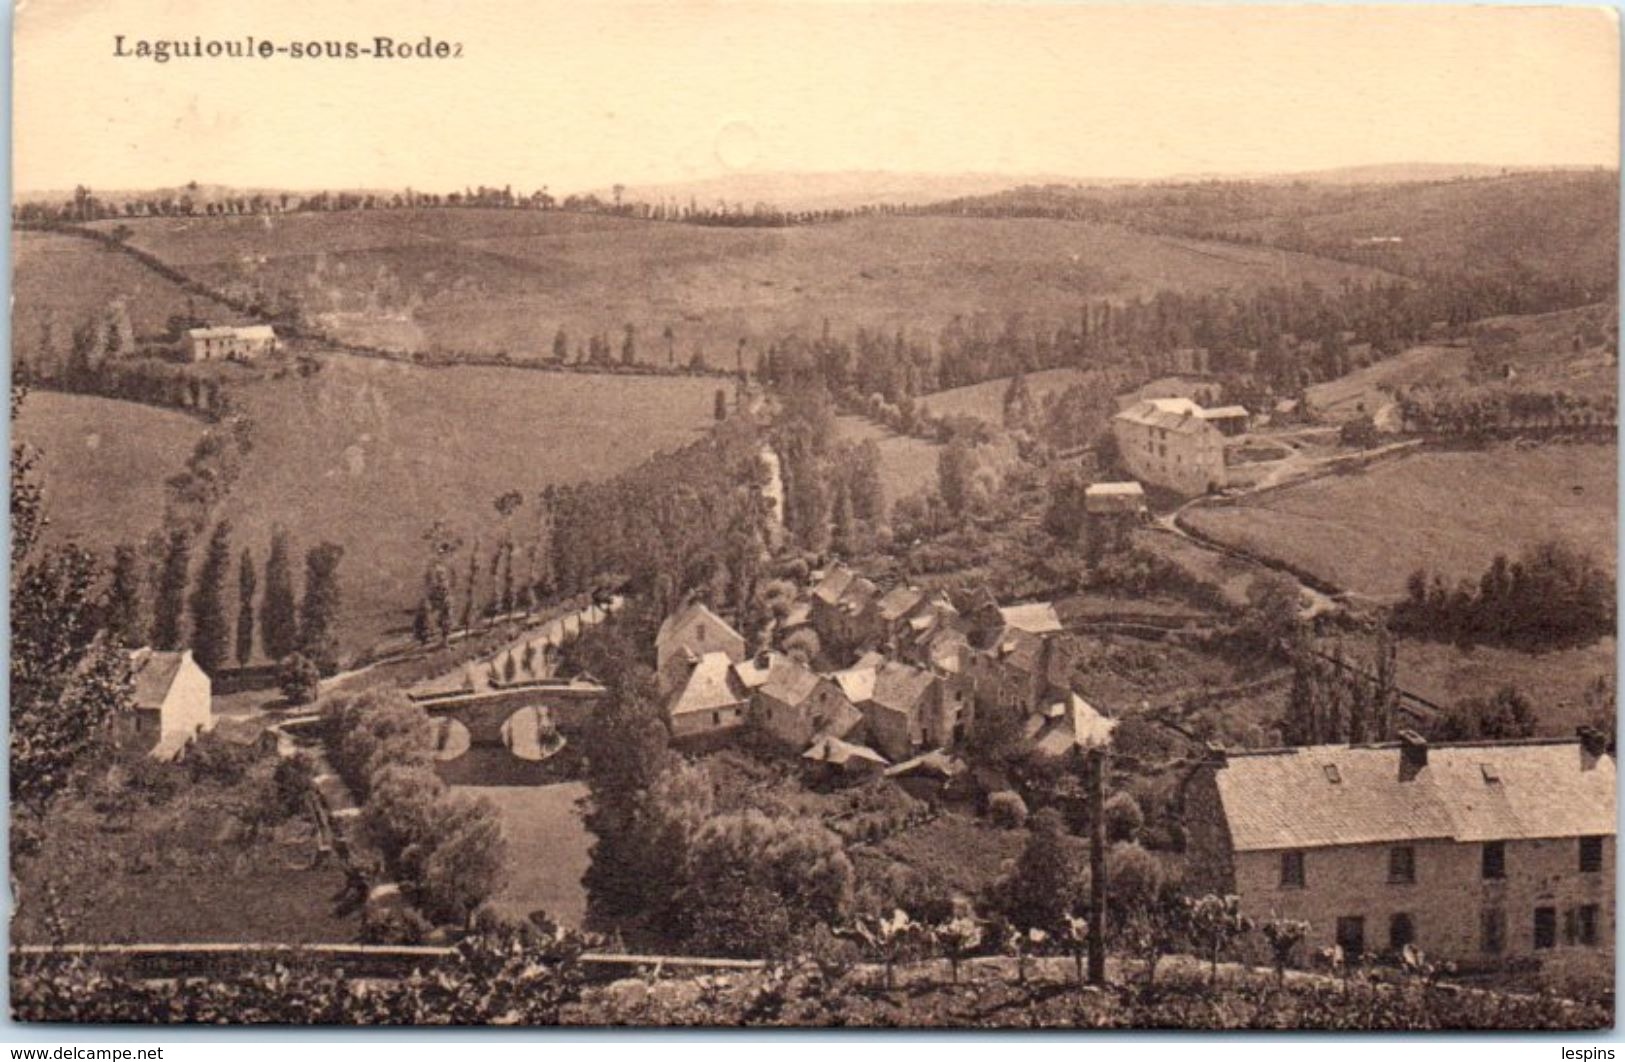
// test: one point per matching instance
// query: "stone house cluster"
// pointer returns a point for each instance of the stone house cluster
(920, 670)
(1478, 852)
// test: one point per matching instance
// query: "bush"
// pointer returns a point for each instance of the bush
(299, 679)
(292, 780)
(213, 759)
(1007, 810)
(394, 925)
(1124, 819)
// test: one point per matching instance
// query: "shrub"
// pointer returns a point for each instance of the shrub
(394, 925)
(298, 679)
(1124, 819)
(292, 780)
(213, 759)
(1007, 810)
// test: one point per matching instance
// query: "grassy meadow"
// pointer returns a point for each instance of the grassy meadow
(505, 281)
(65, 280)
(986, 399)
(547, 850)
(104, 462)
(1448, 511)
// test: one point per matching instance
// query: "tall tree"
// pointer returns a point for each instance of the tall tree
(246, 586)
(67, 681)
(279, 616)
(168, 620)
(122, 602)
(319, 611)
(211, 629)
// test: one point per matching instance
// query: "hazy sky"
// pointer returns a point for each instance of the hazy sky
(581, 95)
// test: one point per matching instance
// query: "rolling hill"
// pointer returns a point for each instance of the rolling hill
(487, 281)
(1550, 224)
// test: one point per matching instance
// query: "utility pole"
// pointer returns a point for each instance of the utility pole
(1096, 767)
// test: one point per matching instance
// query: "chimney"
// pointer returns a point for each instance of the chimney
(1413, 754)
(764, 659)
(1217, 757)
(1593, 746)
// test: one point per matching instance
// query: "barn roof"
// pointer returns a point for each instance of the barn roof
(681, 618)
(1325, 795)
(1039, 617)
(711, 685)
(1170, 414)
(153, 672)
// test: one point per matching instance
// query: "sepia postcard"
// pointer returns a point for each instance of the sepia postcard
(809, 514)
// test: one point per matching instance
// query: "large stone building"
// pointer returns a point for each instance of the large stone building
(240, 343)
(1477, 852)
(1169, 443)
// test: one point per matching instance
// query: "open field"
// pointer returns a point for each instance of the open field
(1365, 391)
(547, 850)
(986, 400)
(907, 465)
(104, 463)
(494, 280)
(65, 280)
(1554, 681)
(368, 453)
(1540, 349)
(1446, 511)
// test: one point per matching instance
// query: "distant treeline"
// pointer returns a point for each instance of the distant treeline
(194, 201)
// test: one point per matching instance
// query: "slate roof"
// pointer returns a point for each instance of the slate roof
(677, 620)
(857, 683)
(789, 681)
(900, 687)
(833, 584)
(230, 332)
(711, 685)
(899, 602)
(153, 672)
(1067, 724)
(1036, 618)
(828, 749)
(1170, 414)
(1467, 792)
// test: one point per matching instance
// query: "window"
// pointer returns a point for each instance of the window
(1492, 930)
(1545, 927)
(1587, 918)
(1402, 865)
(1291, 870)
(1590, 855)
(1401, 931)
(716, 718)
(1351, 935)
(1495, 861)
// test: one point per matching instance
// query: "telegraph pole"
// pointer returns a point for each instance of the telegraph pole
(1096, 768)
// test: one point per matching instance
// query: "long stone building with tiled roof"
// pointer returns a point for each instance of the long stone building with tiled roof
(1475, 852)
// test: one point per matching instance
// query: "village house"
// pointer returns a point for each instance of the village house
(710, 700)
(1015, 670)
(230, 343)
(794, 704)
(685, 637)
(844, 609)
(171, 695)
(1067, 725)
(839, 759)
(1167, 442)
(1473, 852)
